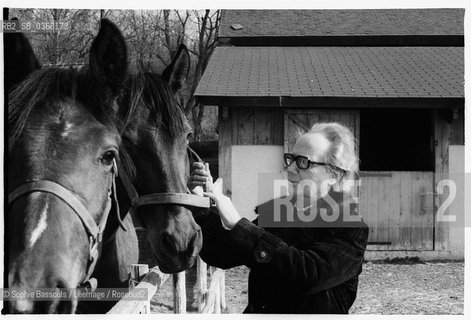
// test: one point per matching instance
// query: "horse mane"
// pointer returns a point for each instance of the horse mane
(150, 90)
(56, 84)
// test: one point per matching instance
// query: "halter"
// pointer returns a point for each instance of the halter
(94, 230)
(185, 199)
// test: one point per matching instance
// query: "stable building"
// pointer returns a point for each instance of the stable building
(395, 77)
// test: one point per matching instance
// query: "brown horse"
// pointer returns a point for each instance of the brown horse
(155, 160)
(154, 156)
(62, 146)
(156, 139)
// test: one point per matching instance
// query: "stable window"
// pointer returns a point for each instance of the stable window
(396, 140)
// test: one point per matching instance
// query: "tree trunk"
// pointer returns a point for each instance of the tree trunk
(55, 17)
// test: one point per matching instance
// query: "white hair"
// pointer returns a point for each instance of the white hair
(342, 152)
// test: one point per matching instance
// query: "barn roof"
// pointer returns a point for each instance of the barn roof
(298, 23)
(358, 72)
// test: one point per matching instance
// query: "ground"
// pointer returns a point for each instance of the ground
(417, 288)
(405, 286)
(236, 293)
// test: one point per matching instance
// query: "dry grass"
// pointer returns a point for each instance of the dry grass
(422, 288)
(391, 288)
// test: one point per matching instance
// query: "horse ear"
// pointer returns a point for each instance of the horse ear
(177, 72)
(20, 59)
(108, 56)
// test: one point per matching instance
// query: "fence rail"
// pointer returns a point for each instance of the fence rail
(208, 300)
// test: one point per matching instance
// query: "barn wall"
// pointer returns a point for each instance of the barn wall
(245, 126)
(456, 229)
(224, 148)
(448, 131)
(398, 208)
(250, 141)
(449, 236)
(449, 164)
(253, 127)
(257, 126)
(248, 162)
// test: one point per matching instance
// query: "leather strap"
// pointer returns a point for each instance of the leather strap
(68, 197)
(94, 231)
(194, 155)
(174, 198)
(186, 199)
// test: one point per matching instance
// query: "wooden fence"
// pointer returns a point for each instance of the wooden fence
(208, 300)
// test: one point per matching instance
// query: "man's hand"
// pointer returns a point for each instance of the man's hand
(227, 212)
(200, 178)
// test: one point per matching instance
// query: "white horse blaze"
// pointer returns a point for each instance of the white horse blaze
(42, 225)
(67, 128)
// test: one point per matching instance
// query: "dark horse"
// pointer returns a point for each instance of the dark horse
(156, 139)
(154, 156)
(62, 146)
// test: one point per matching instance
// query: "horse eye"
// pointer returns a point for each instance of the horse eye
(189, 136)
(107, 158)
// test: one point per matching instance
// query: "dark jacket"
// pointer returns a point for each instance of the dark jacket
(293, 270)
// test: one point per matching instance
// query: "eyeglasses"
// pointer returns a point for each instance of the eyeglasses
(301, 161)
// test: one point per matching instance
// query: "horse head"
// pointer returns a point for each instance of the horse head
(63, 142)
(155, 142)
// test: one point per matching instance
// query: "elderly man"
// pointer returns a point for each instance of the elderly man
(306, 268)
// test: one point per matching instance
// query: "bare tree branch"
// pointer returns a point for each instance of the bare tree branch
(153, 37)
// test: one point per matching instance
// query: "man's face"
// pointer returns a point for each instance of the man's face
(314, 146)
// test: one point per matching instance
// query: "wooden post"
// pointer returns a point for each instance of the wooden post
(222, 288)
(215, 280)
(201, 282)
(153, 281)
(217, 276)
(179, 293)
(217, 306)
(225, 125)
(213, 300)
(136, 273)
